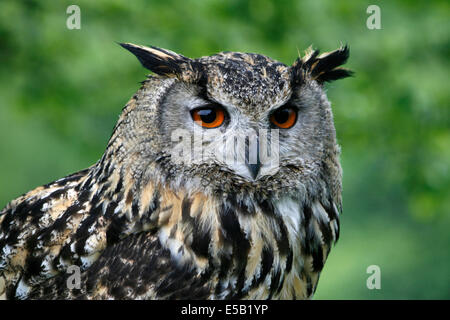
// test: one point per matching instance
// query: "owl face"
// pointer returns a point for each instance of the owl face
(239, 121)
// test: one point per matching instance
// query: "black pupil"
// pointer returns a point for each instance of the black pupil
(207, 115)
(281, 116)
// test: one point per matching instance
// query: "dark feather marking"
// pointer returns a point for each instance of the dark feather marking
(33, 266)
(109, 212)
(224, 267)
(332, 215)
(202, 80)
(266, 207)
(87, 183)
(280, 285)
(275, 283)
(119, 186)
(82, 233)
(152, 208)
(135, 208)
(230, 224)
(306, 240)
(309, 286)
(329, 208)
(61, 223)
(338, 230)
(289, 260)
(240, 206)
(66, 253)
(201, 239)
(281, 236)
(317, 256)
(155, 203)
(104, 188)
(186, 210)
(115, 229)
(241, 245)
(11, 294)
(84, 196)
(7, 221)
(266, 266)
(325, 229)
(13, 233)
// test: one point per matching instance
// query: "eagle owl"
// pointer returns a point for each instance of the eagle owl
(142, 224)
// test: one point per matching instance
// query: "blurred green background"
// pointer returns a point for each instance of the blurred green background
(62, 90)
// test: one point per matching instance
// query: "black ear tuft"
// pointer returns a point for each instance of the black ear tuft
(335, 74)
(324, 67)
(160, 61)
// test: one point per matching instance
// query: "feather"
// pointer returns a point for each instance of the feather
(322, 68)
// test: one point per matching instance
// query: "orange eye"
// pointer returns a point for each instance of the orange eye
(284, 117)
(208, 117)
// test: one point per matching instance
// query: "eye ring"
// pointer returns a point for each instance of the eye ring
(208, 116)
(284, 117)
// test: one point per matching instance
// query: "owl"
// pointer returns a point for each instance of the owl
(221, 180)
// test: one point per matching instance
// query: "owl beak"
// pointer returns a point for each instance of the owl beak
(254, 169)
(253, 162)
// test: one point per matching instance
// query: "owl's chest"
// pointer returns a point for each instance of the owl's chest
(246, 249)
(279, 268)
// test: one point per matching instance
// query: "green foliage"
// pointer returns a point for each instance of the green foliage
(61, 92)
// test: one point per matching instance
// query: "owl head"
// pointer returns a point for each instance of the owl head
(232, 122)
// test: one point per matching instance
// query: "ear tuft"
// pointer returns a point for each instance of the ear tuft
(324, 67)
(161, 61)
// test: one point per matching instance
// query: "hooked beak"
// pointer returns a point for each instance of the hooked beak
(252, 159)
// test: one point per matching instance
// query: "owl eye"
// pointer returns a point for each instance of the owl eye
(209, 117)
(284, 117)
